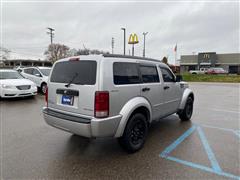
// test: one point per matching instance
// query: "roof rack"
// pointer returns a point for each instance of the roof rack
(130, 57)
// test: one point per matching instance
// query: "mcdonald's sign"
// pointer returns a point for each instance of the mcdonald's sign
(133, 39)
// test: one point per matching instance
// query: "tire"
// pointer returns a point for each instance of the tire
(186, 113)
(43, 88)
(135, 133)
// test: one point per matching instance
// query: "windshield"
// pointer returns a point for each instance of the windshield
(45, 72)
(10, 75)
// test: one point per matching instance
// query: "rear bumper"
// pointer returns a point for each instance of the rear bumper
(87, 127)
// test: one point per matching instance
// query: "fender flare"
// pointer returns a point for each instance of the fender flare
(185, 95)
(128, 109)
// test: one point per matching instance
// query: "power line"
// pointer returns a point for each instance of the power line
(51, 33)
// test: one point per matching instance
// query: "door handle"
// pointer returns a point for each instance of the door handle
(166, 87)
(145, 89)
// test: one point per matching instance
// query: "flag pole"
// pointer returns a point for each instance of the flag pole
(176, 54)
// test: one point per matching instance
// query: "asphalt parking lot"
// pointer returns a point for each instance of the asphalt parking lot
(208, 147)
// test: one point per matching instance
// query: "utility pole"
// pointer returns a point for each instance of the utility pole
(124, 45)
(144, 37)
(51, 33)
(112, 44)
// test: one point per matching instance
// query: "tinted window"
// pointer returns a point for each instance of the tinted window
(149, 74)
(28, 71)
(79, 72)
(125, 73)
(35, 71)
(167, 75)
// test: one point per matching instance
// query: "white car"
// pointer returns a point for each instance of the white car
(38, 75)
(13, 84)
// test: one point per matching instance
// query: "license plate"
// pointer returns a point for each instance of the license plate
(67, 100)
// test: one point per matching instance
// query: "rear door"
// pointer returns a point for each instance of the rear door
(37, 77)
(72, 86)
(28, 73)
(171, 91)
(151, 88)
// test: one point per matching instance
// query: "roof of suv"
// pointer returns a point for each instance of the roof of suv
(95, 57)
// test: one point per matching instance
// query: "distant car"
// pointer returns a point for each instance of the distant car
(216, 71)
(13, 84)
(38, 75)
(200, 71)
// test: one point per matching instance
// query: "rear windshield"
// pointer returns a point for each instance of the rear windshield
(76, 72)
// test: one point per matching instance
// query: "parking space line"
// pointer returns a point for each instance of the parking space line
(170, 148)
(236, 132)
(201, 167)
(208, 150)
(220, 110)
(216, 169)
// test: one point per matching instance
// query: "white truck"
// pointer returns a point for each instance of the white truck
(200, 71)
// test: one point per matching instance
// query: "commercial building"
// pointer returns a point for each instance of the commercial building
(23, 62)
(230, 62)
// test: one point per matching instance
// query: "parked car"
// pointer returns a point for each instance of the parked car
(200, 71)
(39, 75)
(13, 84)
(216, 71)
(114, 96)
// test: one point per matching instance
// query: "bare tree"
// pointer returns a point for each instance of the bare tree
(88, 51)
(56, 52)
(4, 53)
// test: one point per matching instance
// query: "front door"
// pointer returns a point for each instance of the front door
(171, 91)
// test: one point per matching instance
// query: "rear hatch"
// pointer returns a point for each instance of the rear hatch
(72, 86)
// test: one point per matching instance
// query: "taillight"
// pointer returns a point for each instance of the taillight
(101, 107)
(46, 97)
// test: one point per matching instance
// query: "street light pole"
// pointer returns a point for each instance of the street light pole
(144, 37)
(124, 41)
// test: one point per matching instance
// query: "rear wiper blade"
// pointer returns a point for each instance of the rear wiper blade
(70, 82)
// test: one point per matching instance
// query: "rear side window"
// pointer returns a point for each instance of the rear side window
(149, 74)
(125, 73)
(28, 71)
(79, 72)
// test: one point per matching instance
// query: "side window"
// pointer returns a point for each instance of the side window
(35, 71)
(28, 71)
(149, 74)
(167, 75)
(125, 73)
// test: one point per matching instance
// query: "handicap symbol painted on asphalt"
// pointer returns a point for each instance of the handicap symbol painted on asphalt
(215, 167)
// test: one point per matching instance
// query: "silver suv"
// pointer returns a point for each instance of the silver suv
(114, 96)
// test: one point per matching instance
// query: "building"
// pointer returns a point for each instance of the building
(23, 62)
(230, 62)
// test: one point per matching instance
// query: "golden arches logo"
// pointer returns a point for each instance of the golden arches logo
(206, 56)
(133, 39)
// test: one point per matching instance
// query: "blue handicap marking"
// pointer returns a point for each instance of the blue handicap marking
(215, 167)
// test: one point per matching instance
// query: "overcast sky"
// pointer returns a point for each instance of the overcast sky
(194, 26)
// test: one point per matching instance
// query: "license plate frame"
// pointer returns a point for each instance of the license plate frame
(67, 100)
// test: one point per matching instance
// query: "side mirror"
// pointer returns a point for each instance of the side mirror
(179, 78)
(38, 75)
